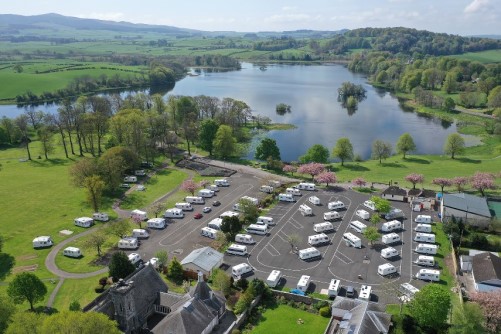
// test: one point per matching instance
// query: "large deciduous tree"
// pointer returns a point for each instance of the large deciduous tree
(343, 150)
(208, 130)
(225, 144)
(405, 144)
(430, 306)
(490, 303)
(23, 127)
(454, 144)
(312, 168)
(414, 179)
(316, 153)
(380, 150)
(120, 266)
(96, 240)
(382, 205)
(467, 318)
(26, 287)
(372, 234)
(231, 226)
(7, 310)
(94, 186)
(482, 181)
(325, 177)
(266, 149)
(79, 322)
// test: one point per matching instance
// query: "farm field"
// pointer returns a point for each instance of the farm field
(490, 56)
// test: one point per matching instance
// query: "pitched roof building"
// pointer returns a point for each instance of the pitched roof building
(203, 259)
(472, 208)
(394, 193)
(486, 272)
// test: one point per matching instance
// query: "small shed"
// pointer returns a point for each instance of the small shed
(203, 259)
(394, 193)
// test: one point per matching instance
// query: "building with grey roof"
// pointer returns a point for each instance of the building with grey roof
(203, 259)
(486, 272)
(473, 209)
(394, 193)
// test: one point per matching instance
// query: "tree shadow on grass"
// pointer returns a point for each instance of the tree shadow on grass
(6, 264)
(133, 200)
(392, 164)
(50, 162)
(468, 160)
(417, 161)
(354, 168)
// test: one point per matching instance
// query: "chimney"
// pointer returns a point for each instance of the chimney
(200, 276)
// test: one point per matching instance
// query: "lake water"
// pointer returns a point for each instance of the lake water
(311, 91)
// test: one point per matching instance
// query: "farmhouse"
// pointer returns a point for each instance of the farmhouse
(472, 209)
(394, 193)
(486, 272)
(203, 260)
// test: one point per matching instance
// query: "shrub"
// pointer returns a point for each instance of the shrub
(235, 331)
(99, 289)
(325, 311)
(242, 284)
(320, 304)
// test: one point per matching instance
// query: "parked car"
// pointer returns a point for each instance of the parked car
(216, 203)
(198, 215)
(207, 209)
(350, 291)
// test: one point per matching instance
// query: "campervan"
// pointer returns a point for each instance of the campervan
(140, 233)
(134, 258)
(72, 252)
(265, 220)
(391, 226)
(128, 243)
(426, 249)
(352, 240)
(139, 172)
(363, 214)
(236, 249)
(306, 186)
(386, 269)
(424, 228)
(130, 179)
(42, 241)
(370, 204)
(206, 193)
(213, 187)
(428, 275)
(245, 239)
(304, 283)
(228, 214)
(309, 254)
(424, 219)
(222, 183)
(241, 269)
(332, 215)
(390, 239)
(253, 200)
(138, 214)
(314, 200)
(84, 222)
(358, 226)
(365, 292)
(266, 189)
(286, 198)
(174, 213)
(337, 205)
(333, 288)
(293, 191)
(184, 206)
(215, 223)
(394, 214)
(425, 260)
(156, 223)
(194, 199)
(274, 278)
(257, 229)
(323, 227)
(100, 216)
(208, 232)
(389, 252)
(319, 240)
(305, 210)
(425, 237)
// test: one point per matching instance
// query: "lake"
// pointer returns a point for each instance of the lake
(311, 91)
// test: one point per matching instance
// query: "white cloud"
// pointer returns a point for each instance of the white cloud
(281, 18)
(289, 9)
(110, 16)
(476, 6)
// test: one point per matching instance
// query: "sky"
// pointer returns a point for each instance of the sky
(463, 17)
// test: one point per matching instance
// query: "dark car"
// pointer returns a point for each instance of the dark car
(198, 215)
(350, 291)
(216, 203)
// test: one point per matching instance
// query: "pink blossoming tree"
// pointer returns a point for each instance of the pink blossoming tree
(326, 177)
(414, 178)
(313, 168)
(359, 182)
(442, 182)
(289, 169)
(460, 182)
(483, 181)
(189, 186)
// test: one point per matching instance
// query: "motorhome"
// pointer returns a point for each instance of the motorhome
(363, 214)
(426, 249)
(425, 260)
(72, 252)
(428, 275)
(305, 210)
(293, 191)
(241, 269)
(358, 226)
(332, 215)
(370, 204)
(222, 183)
(286, 198)
(424, 228)
(174, 213)
(206, 193)
(304, 283)
(394, 214)
(128, 243)
(390, 239)
(257, 229)
(333, 289)
(389, 252)
(391, 226)
(130, 179)
(42, 241)
(245, 239)
(386, 269)
(336, 205)
(425, 237)
(100, 216)
(215, 223)
(365, 292)
(352, 240)
(424, 219)
(158, 223)
(309, 254)
(134, 258)
(140, 233)
(274, 278)
(138, 214)
(194, 199)
(139, 172)
(323, 227)
(306, 186)
(265, 220)
(84, 222)
(228, 214)
(253, 200)
(319, 240)
(274, 183)
(314, 200)
(184, 206)
(236, 249)
(208, 232)
(266, 189)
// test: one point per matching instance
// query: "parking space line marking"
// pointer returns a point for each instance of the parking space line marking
(276, 250)
(295, 224)
(346, 259)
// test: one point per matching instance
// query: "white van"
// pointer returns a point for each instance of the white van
(352, 240)
(428, 275)
(140, 233)
(174, 213)
(265, 220)
(386, 269)
(229, 214)
(363, 214)
(358, 226)
(305, 210)
(304, 283)
(257, 229)
(314, 200)
(130, 179)
(394, 214)
(286, 198)
(293, 191)
(391, 238)
(215, 223)
(424, 228)
(336, 205)
(424, 219)
(42, 241)
(241, 269)
(208, 232)
(194, 199)
(365, 292)
(310, 254)
(425, 260)
(333, 288)
(156, 223)
(128, 243)
(425, 237)
(206, 193)
(426, 249)
(84, 222)
(236, 249)
(184, 206)
(370, 204)
(266, 189)
(139, 172)
(222, 183)
(390, 226)
(319, 240)
(274, 278)
(389, 252)
(138, 214)
(245, 239)
(253, 200)
(100, 216)
(323, 227)
(72, 252)
(332, 215)
(134, 258)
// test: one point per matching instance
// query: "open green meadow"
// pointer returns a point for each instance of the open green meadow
(490, 56)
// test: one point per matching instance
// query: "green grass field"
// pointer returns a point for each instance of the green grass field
(81, 290)
(490, 56)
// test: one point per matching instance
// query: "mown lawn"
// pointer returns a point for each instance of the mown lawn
(81, 290)
(489, 56)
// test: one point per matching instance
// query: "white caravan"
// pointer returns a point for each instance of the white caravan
(314, 200)
(370, 204)
(72, 252)
(391, 226)
(424, 219)
(408, 290)
(138, 214)
(174, 213)
(331, 215)
(304, 283)
(228, 214)
(274, 183)
(208, 232)
(215, 223)
(323, 227)
(245, 239)
(222, 183)
(266, 189)
(365, 292)
(363, 214)
(319, 240)
(100, 216)
(253, 200)
(184, 206)
(428, 275)
(236, 207)
(206, 193)
(358, 226)
(394, 214)
(128, 243)
(84, 222)
(134, 258)
(352, 240)
(140, 233)
(42, 241)
(236, 249)
(337, 205)
(305, 210)
(257, 229)
(425, 260)
(426, 249)
(333, 289)
(194, 199)
(241, 269)
(309, 254)
(389, 252)
(265, 220)
(158, 223)
(390, 239)
(306, 186)
(286, 198)
(424, 228)
(213, 187)
(274, 278)
(293, 191)
(386, 269)
(130, 179)
(425, 237)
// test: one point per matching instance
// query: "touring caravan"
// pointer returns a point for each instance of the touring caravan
(365, 292)
(370, 204)
(72, 252)
(391, 226)
(304, 283)
(337, 205)
(206, 193)
(390, 239)
(286, 198)
(306, 186)
(266, 189)
(257, 229)
(184, 206)
(265, 220)
(236, 207)
(428, 275)
(323, 227)
(386, 269)
(236, 249)
(140, 233)
(333, 289)
(241, 269)
(208, 232)
(424, 228)
(358, 226)
(138, 214)
(139, 172)
(293, 191)
(332, 215)
(426, 249)
(363, 214)
(128, 243)
(305, 210)
(174, 213)
(352, 240)
(394, 214)
(274, 183)
(215, 223)
(309, 254)
(425, 237)
(213, 187)
(424, 219)
(194, 199)
(42, 241)
(228, 214)
(408, 290)
(134, 258)
(389, 252)
(100, 216)
(84, 222)
(245, 239)
(274, 278)
(425, 260)
(253, 200)
(130, 179)
(158, 223)
(314, 200)
(222, 183)
(318, 240)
